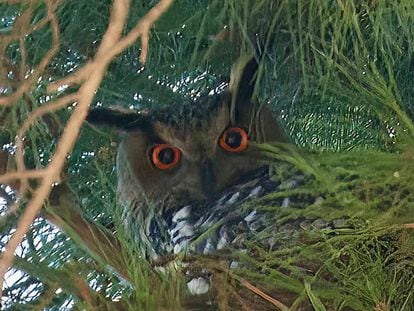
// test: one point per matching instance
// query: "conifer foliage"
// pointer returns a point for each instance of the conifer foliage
(338, 74)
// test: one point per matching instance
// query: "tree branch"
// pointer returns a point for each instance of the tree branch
(142, 29)
(6, 178)
(22, 29)
(65, 213)
(112, 44)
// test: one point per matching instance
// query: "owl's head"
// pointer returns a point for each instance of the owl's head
(191, 151)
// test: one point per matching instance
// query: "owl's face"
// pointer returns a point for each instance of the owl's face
(190, 152)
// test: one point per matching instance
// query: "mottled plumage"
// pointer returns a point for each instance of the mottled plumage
(186, 173)
(194, 129)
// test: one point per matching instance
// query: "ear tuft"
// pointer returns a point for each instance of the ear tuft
(244, 109)
(119, 118)
(243, 78)
(242, 83)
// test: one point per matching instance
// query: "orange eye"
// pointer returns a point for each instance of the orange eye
(165, 156)
(234, 139)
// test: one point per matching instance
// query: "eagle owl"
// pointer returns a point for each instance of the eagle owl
(185, 171)
(188, 152)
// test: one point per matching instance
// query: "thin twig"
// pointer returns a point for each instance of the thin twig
(37, 72)
(30, 174)
(32, 118)
(254, 289)
(142, 29)
(78, 77)
(23, 59)
(44, 109)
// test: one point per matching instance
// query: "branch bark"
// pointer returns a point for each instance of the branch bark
(101, 244)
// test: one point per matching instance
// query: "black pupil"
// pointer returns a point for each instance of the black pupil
(233, 139)
(166, 156)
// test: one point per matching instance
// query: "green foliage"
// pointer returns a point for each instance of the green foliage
(365, 261)
(339, 76)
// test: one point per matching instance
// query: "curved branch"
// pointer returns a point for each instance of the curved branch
(142, 29)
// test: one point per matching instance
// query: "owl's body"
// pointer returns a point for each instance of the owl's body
(224, 222)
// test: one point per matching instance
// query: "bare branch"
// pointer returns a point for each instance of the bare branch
(78, 77)
(4, 179)
(142, 29)
(33, 117)
(65, 145)
(148, 21)
(98, 241)
(110, 46)
(23, 56)
(37, 72)
(108, 41)
(46, 108)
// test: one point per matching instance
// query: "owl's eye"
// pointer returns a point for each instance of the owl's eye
(165, 156)
(234, 139)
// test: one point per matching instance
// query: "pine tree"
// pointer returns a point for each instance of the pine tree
(337, 73)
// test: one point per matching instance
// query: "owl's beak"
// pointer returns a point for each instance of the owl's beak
(208, 178)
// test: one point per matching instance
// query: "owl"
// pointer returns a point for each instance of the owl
(185, 171)
(191, 151)
(187, 154)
